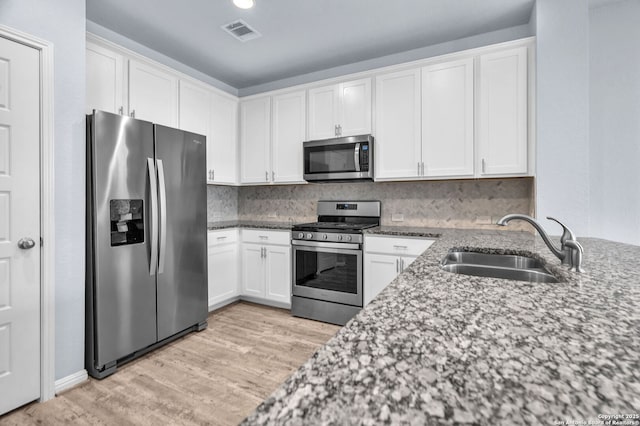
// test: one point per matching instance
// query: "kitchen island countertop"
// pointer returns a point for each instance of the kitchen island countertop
(441, 348)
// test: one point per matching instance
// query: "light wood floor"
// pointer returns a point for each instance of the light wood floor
(217, 376)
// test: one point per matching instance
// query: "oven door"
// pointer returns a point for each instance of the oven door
(328, 272)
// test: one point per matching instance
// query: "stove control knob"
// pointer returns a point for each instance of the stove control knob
(339, 237)
(348, 237)
(324, 236)
(309, 236)
(300, 235)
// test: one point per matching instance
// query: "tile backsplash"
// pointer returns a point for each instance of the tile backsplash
(222, 203)
(449, 204)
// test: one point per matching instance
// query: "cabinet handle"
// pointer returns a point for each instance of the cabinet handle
(273, 176)
(335, 130)
(339, 130)
(422, 168)
(263, 237)
(266, 176)
(133, 113)
(484, 166)
(121, 110)
(401, 265)
(213, 174)
(418, 168)
(400, 247)
(397, 266)
(224, 237)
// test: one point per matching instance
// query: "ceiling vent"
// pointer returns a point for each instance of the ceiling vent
(241, 30)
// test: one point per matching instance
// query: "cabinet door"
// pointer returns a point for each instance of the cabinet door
(222, 152)
(355, 107)
(104, 85)
(253, 270)
(503, 113)
(406, 261)
(153, 94)
(195, 114)
(223, 273)
(289, 125)
(255, 132)
(379, 271)
(447, 119)
(398, 143)
(323, 112)
(278, 274)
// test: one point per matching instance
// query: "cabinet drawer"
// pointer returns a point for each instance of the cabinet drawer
(223, 236)
(263, 236)
(394, 245)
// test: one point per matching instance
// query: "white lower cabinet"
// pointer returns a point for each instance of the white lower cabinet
(385, 258)
(224, 267)
(266, 265)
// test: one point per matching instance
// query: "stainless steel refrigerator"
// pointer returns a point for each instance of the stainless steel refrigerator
(146, 238)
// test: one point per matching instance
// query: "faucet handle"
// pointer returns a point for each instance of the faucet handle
(567, 234)
(576, 252)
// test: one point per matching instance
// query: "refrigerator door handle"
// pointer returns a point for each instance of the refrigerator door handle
(163, 216)
(153, 189)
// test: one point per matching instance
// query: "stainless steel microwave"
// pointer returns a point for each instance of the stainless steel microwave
(345, 158)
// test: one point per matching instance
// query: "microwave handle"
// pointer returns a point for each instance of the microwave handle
(356, 157)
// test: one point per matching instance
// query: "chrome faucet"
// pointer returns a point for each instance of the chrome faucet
(570, 251)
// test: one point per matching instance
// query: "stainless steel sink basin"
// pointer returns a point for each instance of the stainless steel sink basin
(510, 267)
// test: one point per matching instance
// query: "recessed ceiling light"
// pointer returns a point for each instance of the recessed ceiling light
(244, 4)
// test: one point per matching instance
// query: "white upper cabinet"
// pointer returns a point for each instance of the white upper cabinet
(222, 148)
(153, 94)
(208, 113)
(340, 110)
(105, 80)
(355, 108)
(447, 119)
(195, 111)
(255, 134)
(398, 122)
(502, 126)
(323, 112)
(289, 126)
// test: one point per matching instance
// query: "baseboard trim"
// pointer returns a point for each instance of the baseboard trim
(218, 305)
(262, 301)
(70, 381)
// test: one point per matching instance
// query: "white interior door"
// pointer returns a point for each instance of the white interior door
(19, 222)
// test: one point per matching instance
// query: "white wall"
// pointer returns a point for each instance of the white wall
(615, 121)
(563, 112)
(62, 22)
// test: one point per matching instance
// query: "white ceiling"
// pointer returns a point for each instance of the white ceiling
(298, 36)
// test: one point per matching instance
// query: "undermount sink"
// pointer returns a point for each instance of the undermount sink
(506, 266)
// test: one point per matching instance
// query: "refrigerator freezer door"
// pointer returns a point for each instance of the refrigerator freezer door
(182, 270)
(124, 292)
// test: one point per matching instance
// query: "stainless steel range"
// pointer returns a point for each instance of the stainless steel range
(327, 261)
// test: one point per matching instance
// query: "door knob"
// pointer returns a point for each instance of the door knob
(26, 243)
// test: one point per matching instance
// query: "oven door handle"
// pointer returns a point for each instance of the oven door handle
(323, 245)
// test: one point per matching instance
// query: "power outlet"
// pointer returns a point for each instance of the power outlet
(397, 217)
(484, 220)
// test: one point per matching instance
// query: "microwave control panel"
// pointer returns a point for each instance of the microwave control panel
(364, 157)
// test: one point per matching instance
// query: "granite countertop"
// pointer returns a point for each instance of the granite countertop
(442, 348)
(214, 226)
